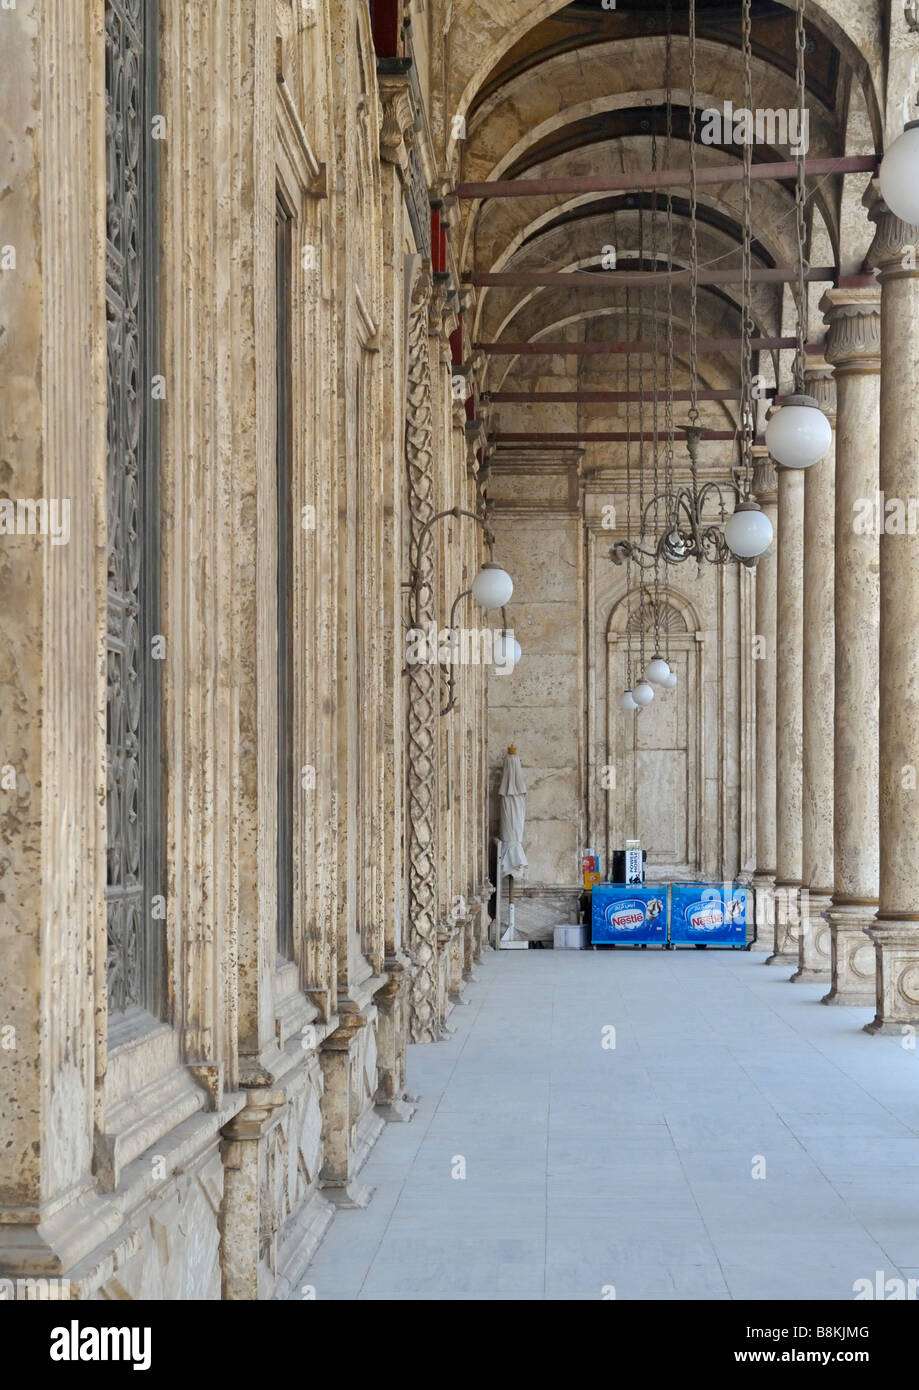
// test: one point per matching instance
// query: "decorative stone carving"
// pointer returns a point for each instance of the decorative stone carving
(423, 682)
(397, 119)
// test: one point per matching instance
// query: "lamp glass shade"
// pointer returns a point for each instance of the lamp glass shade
(670, 682)
(627, 702)
(643, 693)
(799, 434)
(749, 531)
(492, 586)
(506, 651)
(899, 175)
(657, 671)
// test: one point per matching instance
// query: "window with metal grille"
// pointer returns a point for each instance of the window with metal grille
(135, 905)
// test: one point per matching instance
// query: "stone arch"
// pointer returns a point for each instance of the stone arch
(860, 45)
(675, 608)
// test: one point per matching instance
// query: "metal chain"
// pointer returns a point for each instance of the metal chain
(628, 482)
(747, 418)
(693, 228)
(800, 198)
(655, 425)
(641, 438)
(668, 380)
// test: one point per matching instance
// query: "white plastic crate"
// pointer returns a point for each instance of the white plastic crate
(570, 938)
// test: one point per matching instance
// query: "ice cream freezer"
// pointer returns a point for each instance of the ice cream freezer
(709, 914)
(671, 914)
(633, 914)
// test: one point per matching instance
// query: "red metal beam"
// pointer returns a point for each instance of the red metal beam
(603, 397)
(612, 279)
(617, 347)
(662, 178)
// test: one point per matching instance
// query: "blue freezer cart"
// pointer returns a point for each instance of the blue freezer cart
(632, 914)
(709, 914)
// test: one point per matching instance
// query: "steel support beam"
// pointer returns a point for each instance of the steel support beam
(633, 279)
(604, 347)
(662, 178)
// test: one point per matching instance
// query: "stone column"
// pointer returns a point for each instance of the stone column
(765, 490)
(853, 346)
(818, 686)
(896, 932)
(789, 685)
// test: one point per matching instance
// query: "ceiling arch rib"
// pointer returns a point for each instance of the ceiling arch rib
(481, 42)
(582, 92)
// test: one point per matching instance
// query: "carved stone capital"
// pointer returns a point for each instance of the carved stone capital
(893, 252)
(819, 381)
(397, 119)
(765, 482)
(853, 319)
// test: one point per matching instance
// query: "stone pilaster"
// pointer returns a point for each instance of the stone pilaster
(765, 488)
(896, 929)
(853, 346)
(789, 715)
(818, 685)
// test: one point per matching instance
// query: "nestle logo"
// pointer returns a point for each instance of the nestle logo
(706, 918)
(625, 917)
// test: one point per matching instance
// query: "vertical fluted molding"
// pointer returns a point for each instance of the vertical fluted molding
(896, 932)
(765, 488)
(853, 347)
(789, 714)
(818, 687)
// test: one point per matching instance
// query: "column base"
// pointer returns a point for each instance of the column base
(787, 924)
(851, 955)
(764, 909)
(814, 939)
(897, 979)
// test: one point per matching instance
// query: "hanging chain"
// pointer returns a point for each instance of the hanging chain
(668, 379)
(628, 485)
(655, 425)
(800, 198)
(747, 413)
(641, 439)
(693, 228)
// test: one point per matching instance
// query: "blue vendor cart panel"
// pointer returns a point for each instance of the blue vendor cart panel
(629, 913)
(709, 914)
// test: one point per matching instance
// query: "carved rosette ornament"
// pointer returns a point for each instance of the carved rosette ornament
(423, 681)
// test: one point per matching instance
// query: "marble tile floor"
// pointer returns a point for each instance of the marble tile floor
(738, 1140)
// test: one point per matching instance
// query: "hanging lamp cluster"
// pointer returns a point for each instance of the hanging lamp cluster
(721, 522)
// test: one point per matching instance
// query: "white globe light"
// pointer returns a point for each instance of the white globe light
(670, 682)
(642, 694)
(657, 671)
(899, 175)
(799, 433)
(627, 702)
(506, 651)
(749, 531)
(492, 586)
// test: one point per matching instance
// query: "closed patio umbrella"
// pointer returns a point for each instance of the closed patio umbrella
(512, 792)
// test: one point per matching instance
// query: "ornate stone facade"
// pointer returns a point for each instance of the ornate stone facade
(245, 835)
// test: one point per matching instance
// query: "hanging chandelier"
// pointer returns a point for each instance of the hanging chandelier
(697, 522)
